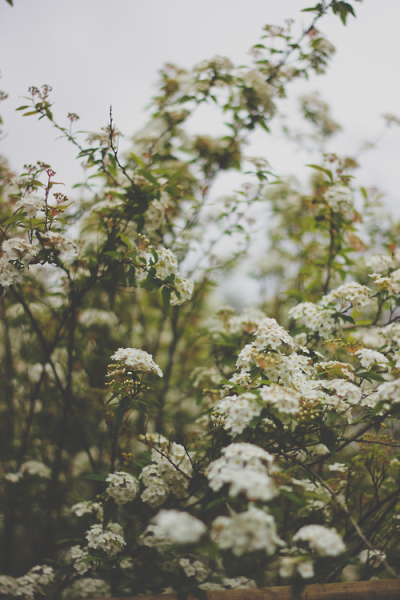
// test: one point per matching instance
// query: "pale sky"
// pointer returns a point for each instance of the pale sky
(100, 52)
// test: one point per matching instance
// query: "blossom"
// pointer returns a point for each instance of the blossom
(356, 294)
(78, 555)
(269, 333)
(123, 487)
(369, 357)
(246, 532)
(245, 468)
(326, 542)
(285, 400)
(137, 360)
(238, 411)
(339, 197)
(180, 527)
(31, 205)
(87, 508)
(110, 540)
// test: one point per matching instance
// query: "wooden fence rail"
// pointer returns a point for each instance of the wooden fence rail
(382, 589)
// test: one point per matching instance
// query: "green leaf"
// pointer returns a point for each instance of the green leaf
(32, 112)
(326, 171)
(96, 477)
(292, 497)
(25, 105)
(125, 240)
(10, 2)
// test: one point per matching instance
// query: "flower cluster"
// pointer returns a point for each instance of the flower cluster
(178, 527)
(134, 359)
(123, 487)
(246, 532)
(325, 542)
(170, 472)
(27, 586)
(246, 469)
(110, 540)
(16, 254)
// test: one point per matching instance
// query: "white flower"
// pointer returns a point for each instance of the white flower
(180, 527)
(340, 467)
(326, 542)
(238, 411)
(110, 540)
(123, 487)
(137, 360)
(269, 333)
(35, 467)
(31, 205)
(87, 508)
(78, 555)
(245, 468)
(369, 357)
(358, 295)
(284, 400)
(246, 532)
(339, 197)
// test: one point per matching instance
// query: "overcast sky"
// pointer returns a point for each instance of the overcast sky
(100, 52)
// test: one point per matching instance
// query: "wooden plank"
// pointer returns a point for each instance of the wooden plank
(376, 589)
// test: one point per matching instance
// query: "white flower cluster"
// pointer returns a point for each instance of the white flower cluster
(110, 539)
(246, 532)
(78, 556)
(391, 333)
(339, 198)
(238, 411)
(247, 322)
(325, 542)
(179, 527)
(286, 401)
(245, 467)
(87, 508)
(31, 205)
(270, 334)
(31, 467)
(381, 263)
(154, 216)
(167, 264)
(137, 360)
(27, 586)
(195, 569)
(54, 240)
(316, 318)
(170, 474)
(123, 487)
(356, 294)
(261, 91)
(290, 565)
(86, 588)
(369, 357)
(388, 392)
(15, 249)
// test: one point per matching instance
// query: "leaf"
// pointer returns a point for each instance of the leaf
(292, 497)
(326, 171)
(32, 112)
(96, 477)
(125, 240)
(25, 105)
(345, 318)
(110, 508)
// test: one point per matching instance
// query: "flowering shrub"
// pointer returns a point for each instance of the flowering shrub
(154, 444)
